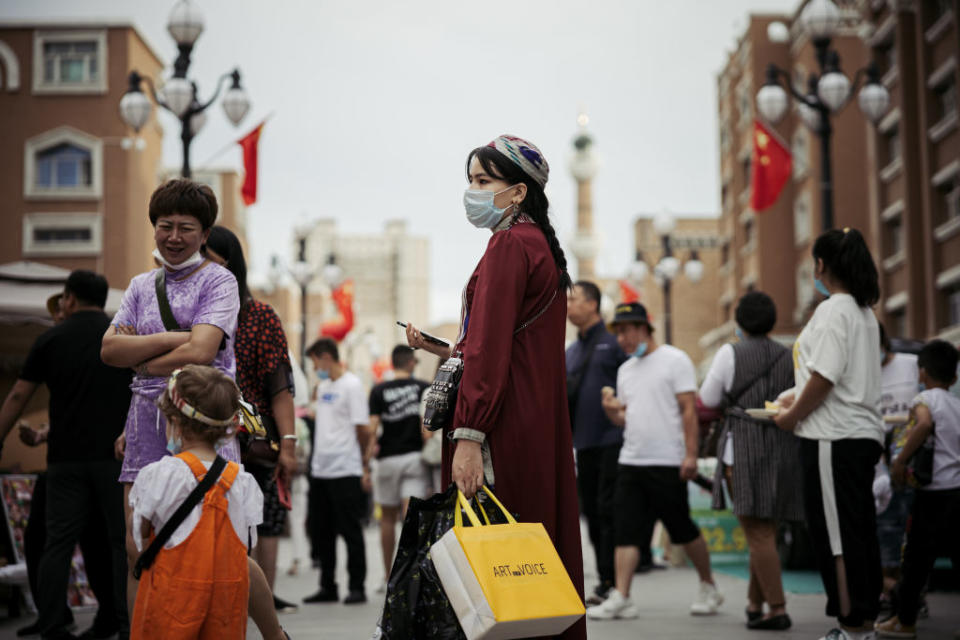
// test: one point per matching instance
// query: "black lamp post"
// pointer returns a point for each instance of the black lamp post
(827, 93)
(667, 268)
(179, 95)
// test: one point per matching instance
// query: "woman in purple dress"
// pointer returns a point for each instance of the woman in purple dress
(204, 303)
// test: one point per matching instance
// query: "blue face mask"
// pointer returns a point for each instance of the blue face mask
(174, 445)
(640, 351)
(739, 333)
(481, 212)
(323, 374)
(819, 286)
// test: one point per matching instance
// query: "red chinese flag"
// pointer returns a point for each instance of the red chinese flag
(339, 328)
(627, 293)
(249, 145)
(769, 168)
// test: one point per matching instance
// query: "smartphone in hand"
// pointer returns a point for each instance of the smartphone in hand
(427, 337)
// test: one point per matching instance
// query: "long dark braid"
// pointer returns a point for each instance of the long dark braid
(535, 205)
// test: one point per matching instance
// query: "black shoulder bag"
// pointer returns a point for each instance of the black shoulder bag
(441, 402)
(166, 313)
(150, 554)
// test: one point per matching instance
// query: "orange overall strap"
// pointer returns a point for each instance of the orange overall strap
(228, 476)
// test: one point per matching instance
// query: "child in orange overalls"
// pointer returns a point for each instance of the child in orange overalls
(197, 587)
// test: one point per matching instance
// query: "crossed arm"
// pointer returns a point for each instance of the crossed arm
(159, 354)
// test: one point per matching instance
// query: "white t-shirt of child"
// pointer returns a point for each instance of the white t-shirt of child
(898, 384)
(341, 406)
(648, 386)
(162, 486)
(945, 410)
(841, 343)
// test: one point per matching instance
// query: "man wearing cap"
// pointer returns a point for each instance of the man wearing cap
(654, 402)
(88, 407)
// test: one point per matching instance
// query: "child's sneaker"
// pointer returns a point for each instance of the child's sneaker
(893, 628)
(615, 606)
(708, 600)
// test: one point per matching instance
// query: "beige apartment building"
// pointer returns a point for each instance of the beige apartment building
(694, 309)
(76, 184)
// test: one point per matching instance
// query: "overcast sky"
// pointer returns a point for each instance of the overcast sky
(377, 103)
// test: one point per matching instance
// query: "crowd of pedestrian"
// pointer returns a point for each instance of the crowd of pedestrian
(172, 445)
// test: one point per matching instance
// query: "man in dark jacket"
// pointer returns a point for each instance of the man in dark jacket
(592, 363)
(88, 407)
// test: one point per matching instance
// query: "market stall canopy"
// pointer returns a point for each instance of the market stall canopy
(25, 287)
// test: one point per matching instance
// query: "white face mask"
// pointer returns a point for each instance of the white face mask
(193, 260)
(481, 211)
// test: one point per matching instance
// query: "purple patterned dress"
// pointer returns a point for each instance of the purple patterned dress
(209, 296)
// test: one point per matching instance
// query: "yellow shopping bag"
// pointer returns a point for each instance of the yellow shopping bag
(504, 580)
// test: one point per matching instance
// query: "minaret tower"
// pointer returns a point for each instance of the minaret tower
(583, 167)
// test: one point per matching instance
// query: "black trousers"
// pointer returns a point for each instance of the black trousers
(844, 523)
(79, 494)
(337, 507)
(934, 523)
(94, 545)
(596, 481)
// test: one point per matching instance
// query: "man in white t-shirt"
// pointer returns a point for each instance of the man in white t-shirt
(339, 472)
(654, 403)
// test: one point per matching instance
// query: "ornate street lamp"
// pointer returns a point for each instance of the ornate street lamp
(827, 93)
(667, 269)
(179, 95)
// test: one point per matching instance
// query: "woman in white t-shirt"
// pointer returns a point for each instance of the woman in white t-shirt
(836, 414)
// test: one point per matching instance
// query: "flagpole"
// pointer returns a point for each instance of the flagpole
(230, 144)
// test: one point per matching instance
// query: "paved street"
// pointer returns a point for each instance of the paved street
(663, 597)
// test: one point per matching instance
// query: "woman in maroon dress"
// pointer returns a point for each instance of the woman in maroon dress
(511, 423)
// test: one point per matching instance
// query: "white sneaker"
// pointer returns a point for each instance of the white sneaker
(615, 606)
(842, 634)
(708, 600)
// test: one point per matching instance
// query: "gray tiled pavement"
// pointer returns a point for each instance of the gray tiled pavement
(662, 596)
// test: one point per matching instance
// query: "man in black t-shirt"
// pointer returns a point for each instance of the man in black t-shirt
(399, 472)
(88, 408)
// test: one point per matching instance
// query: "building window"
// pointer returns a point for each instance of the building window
(953, 306)
(724, 138)
(70, 61)
(891, 139)
(939, 9)
(800, 148)
(727, 312)
(897, 323)
(747, 166)
(894, 228)
(62, 234)
(724, 253)
(801, 219)
(949, 195)
(886, 57)
(744, 103)
(946, 99)
(749, 233)
(63, 163)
